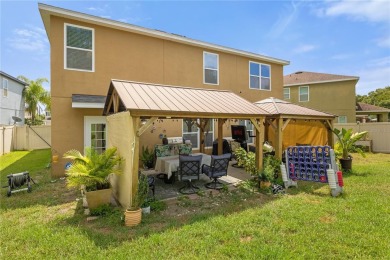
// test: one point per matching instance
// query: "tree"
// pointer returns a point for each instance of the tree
(380, 97)
(34, 94)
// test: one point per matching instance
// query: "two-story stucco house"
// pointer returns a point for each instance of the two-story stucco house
(87, 52)
(11, 99)
(334, 94)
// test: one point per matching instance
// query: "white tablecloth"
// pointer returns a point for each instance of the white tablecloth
(170, 164)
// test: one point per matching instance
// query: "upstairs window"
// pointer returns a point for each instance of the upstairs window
(286, 93)
(210, 68)
(5, 87)
(259, 76)
(79, 48)
(303, 94)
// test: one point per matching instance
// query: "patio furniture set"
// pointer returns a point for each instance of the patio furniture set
(187, 167)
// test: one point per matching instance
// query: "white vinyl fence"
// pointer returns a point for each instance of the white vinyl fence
(24, 138)
(379, 133)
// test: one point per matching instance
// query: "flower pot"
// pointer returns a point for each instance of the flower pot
(265, 184)
(98, 197)
(133, 217)
(346, 164)
(146, 210)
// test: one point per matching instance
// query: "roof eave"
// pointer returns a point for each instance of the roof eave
(317, 82)
(47, 10)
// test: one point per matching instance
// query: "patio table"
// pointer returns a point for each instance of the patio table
(169, 164)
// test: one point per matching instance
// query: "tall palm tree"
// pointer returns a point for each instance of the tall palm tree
(35, 94)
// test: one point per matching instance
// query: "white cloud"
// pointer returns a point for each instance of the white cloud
(95, 9)
(384, 42)
(375, 75)
(304, 48)
(30, 38)
(370, 10)
(342, 56)
(285, 19)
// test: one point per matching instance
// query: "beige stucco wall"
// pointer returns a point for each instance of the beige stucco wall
(336, 98)
(122, 140)
(129, 56)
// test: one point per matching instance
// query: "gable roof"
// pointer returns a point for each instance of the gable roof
(147, 99)
(13, 78)
(305, 77)
(47, 10)
(283, 108)
(363, 107)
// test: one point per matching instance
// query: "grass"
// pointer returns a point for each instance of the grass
(307, 223)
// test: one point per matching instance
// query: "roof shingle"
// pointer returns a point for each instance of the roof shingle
(305, 77)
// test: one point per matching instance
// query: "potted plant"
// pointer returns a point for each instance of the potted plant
(146, 206)
(264, 177)
(91, 173)
(147, 157)
(346, 144)
(133, 213)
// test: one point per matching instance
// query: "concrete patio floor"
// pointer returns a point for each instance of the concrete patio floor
(167, 191)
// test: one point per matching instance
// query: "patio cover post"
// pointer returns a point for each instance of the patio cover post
(259, 123)
(221, 121)
(330, 133)
(279, 138)
(135, 158)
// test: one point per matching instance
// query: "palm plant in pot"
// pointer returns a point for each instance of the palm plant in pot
(147, 157)
(91, 173)
(133, 213)
(346, 143)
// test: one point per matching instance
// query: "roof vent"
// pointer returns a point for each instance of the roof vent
(299, 72)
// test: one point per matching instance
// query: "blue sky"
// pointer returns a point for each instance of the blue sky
(337, 37)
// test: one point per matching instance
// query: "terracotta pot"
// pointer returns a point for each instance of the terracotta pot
(346, 164)
(265, 184)
(133, 217)
(98, 197)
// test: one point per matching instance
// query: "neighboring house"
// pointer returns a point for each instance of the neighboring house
(364, 113)
(88, 51)
(334, 94)
(11, 99)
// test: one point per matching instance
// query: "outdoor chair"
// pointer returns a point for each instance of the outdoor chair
(189, 170)
(217, 169)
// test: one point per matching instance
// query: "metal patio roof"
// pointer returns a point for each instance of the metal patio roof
(283, 108)
(148, 99)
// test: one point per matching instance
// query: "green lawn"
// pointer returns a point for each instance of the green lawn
(307, 223)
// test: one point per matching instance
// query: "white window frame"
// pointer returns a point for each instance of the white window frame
(260, 76)
(289, 96)
(198, 134)
(308, 93)
(88, 120)
(5, 87)
(338, 120)
(75, 48)
(204, 68)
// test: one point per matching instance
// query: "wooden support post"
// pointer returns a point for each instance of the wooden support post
(135, 159)
(279, 139)
(259, 142)
(330, 133)
(220, 135)
(143, 128)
